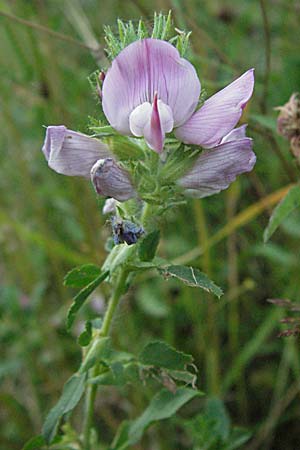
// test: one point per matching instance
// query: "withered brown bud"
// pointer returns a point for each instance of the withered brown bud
(288, 122)
(101, 76)
(295, 146)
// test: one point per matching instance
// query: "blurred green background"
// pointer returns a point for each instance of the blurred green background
(49, 223)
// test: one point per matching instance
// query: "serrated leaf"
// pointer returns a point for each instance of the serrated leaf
(282, 210)
(82, 276)
(162, 406)
(72, 392)
(85, 337)
(35, 443)
(160, 354)
(148, 246)
(192, 277)
(80, 298)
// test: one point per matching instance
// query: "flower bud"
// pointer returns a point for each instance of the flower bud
(295, 147)
(109, 206)
(110, 180)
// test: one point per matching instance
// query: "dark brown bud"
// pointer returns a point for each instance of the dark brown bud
(101, 76)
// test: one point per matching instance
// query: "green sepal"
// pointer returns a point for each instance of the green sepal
(123, 147)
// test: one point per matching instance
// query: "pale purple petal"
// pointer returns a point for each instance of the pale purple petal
(219, 114)
(110, 180)
(235, 134)
(109, 206)
(72, 153)
(142, 69)
(215, 169)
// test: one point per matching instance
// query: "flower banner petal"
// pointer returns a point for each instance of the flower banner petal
(72, 153)
(141, 70)
(215, 169)
(219, 114)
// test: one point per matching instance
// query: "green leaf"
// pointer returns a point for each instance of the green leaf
(192, 277)
(72, 392)
(80, 298)
(186, 377)
(85, 337)
(82, 276)
(163, 405)
(282, 210)
(35, 443)
(120, 441)
(238, 437)
(215, 410)
(148, 246)
(161, 354)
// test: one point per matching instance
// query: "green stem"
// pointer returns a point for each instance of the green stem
(103, 332)
(92, 389)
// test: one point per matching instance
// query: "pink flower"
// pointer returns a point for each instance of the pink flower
(150, 91)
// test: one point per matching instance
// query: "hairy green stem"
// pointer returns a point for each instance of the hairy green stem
(107, 321)
(117, 292)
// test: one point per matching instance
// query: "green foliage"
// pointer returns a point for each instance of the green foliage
(128, 33)
(282, 210)
(192, 277)
(82, 276)
(148, 246)
(80, 298)
(71, 395)
(35, 443)
(124, 148)
(85, 337)
(157, 360)
(163, 406)
(212, 429)
(163, 355)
